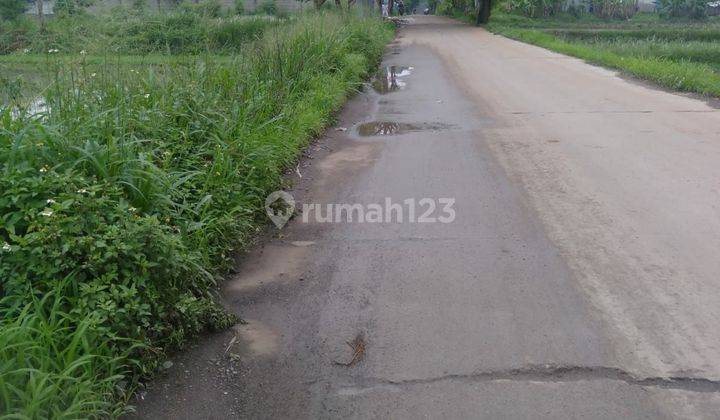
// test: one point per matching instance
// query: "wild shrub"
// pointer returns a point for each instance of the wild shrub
(16, 35)
(12, 9)
(614, 9)
(268, 7)
(239, 7)
(206, 8)
(536, 8)
(227, 34)
(697, 9)
(70, 7)
(694, 9)
(130, 31)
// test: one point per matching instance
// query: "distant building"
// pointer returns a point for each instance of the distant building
(713, 8)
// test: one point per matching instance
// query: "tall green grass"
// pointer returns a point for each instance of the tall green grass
(588, 21)
(126, 196)
(54, 366)
(127, 31)
(659, 34)
(677, 51)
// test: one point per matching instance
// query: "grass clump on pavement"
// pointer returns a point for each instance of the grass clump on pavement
(126, 188)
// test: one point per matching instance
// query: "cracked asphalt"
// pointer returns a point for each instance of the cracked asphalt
(579, 278)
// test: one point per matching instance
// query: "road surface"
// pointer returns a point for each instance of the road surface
(580, 277)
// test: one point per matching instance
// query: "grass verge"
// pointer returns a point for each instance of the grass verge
(681, 56)
(124, 196)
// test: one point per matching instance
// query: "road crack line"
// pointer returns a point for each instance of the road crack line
(560, 374)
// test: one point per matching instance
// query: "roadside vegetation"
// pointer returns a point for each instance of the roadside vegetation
(677, 46)
(189, 29)
(135, 156)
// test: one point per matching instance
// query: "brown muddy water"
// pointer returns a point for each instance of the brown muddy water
(387, 128)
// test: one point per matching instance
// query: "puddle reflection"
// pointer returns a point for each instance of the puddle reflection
(38, 107)
(390, 79)
(387, 128)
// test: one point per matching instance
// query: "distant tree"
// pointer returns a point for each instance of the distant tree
(64, 7)
(695, 9)
(12, 9)
(269, 7)
(339, 5)
(69, 7)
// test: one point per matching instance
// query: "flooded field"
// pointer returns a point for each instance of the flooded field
(20, 84)
(27, 88)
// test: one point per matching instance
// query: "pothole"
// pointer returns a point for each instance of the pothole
(388, 128)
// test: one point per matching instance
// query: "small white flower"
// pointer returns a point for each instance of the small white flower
(53, 51)
(6, 247)
(50, 201)
(93, 75)
(46, 213)
(26, 50)
(147, 95)
(132, 209)
(43, 169)
(83, 52)
(82, 191)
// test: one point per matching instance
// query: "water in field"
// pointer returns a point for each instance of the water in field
(21, 88)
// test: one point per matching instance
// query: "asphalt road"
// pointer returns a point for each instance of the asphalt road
(580, 277)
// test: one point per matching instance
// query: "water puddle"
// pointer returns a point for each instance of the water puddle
(390, 79)
(388, 128)
(38, 107)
